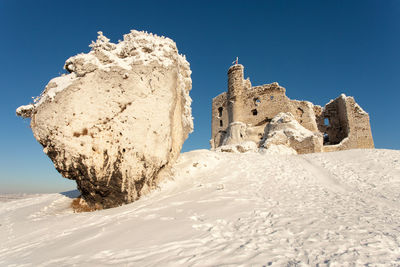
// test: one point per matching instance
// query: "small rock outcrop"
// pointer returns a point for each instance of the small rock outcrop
(118, 119)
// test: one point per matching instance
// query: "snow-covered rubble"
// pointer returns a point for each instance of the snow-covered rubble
(285, 130)
(243, 147)
(283, 135)
(226, 209)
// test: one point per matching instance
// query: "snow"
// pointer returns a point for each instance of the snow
(11, 197)
(55, 86)
(137, 47)
(359, 109)
(337, 209)
(25, 110)
(278, 150)
(242, 147)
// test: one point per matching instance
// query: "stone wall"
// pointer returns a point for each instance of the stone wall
(348, 125)
(219, 119)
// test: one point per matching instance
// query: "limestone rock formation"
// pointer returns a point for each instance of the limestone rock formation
(118, 119)
(285, 130)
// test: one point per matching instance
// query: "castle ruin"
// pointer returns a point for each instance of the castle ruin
(244, 112)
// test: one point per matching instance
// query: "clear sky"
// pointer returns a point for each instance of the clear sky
(315, 49)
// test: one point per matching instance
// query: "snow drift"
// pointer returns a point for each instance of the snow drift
(224, 209)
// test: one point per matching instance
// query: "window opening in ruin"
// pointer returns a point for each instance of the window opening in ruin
(300, 112)
(220, 111)
(271, 97)
(220, 123)
(257, 101)
(335, 128)
(254, 111)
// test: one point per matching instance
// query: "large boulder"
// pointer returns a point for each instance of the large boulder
(118, 119)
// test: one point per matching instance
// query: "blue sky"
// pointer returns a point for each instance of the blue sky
(315, 49)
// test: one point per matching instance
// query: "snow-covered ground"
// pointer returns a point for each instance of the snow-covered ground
(336, 209)
(12, 197)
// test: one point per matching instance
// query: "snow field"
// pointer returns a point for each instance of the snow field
(336, 209)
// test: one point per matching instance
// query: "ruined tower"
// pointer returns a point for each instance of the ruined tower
(235, 92)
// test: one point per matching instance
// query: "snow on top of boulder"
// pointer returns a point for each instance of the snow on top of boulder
(55, 86)
(25, 111)
(136, 48)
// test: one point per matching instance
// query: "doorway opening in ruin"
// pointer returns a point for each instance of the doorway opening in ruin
(254, 111)
(326, 139)
(219, 139)
(220, 111)
(335, 129)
